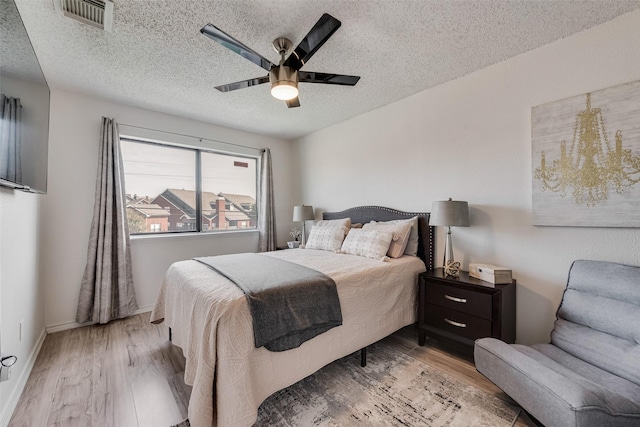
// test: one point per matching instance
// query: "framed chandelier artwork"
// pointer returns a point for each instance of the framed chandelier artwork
(586, 159)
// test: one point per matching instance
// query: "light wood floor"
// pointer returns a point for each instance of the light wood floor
(127, 373)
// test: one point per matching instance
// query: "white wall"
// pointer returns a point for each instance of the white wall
(470, 139)
(73, 157)
(20, 290)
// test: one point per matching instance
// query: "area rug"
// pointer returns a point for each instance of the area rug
(392, 390)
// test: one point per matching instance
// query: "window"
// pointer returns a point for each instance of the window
(182, 189)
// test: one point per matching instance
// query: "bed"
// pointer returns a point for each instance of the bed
(210, 321)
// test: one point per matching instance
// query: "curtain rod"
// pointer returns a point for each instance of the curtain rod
(191, 136)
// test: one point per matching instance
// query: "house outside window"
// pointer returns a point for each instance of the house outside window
(178, 189)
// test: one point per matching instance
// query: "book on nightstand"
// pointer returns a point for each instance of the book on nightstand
(490, 273)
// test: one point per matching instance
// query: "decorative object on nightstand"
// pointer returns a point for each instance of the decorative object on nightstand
(452, 268)
(296, 233)
(449, 213)
(303, 213)
(459, 310)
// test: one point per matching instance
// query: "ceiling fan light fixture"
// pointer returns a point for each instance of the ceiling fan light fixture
(284, 91)
(284, 83)
(285, 76)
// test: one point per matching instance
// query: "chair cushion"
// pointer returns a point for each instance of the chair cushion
(581, 370)
(556, 387)
(598, 320)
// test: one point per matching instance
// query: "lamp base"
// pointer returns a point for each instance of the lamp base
(447, 256)
(304, 235)
(451, 267)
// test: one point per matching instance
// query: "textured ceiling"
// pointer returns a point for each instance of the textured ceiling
(156, 58)
(16, 54)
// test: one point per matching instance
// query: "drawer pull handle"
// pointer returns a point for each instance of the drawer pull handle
(450, 298)
(458, 324)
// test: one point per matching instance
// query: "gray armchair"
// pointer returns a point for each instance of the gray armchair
(589, 375)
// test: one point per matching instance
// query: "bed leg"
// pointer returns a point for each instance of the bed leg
(363, 357)
(169, 334)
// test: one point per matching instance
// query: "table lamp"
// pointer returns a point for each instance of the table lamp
(449, 213)
(303, 213)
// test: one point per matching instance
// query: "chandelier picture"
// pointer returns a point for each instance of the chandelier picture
(591, 166)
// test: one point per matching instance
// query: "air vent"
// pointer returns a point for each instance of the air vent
(98, 13)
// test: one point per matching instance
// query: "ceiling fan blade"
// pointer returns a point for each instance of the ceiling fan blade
(292, 103)
(243, 84)
(230, 43)
(319, 34)
(327, 78)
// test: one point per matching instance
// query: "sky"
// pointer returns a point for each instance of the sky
(150, 169)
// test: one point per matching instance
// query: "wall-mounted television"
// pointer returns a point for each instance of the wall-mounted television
(24, 107)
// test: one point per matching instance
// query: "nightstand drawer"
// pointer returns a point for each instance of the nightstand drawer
(457, 323)
(456, 298)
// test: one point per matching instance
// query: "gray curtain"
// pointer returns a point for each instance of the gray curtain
(10, 139)
(107, 290)
(266, 210)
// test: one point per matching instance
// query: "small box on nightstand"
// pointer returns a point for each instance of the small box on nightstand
(490, 273)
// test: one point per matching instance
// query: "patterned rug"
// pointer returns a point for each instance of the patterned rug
(392, 390)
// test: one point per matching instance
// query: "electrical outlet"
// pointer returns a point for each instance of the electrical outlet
(5, 373)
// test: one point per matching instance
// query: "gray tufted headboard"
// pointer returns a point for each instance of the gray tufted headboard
(364, 214)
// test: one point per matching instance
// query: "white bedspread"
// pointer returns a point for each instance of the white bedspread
(210, 321)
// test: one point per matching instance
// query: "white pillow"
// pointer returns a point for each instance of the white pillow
(326, 238)
(400, 231)
(412, 244)
(344, 222)
(368, 243)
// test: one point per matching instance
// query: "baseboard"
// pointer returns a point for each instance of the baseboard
(72, 325)
(22, 380)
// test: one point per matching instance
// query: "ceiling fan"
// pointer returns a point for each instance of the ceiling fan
(285, 76)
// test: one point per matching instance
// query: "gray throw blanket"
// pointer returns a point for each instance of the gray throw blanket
(289, 303)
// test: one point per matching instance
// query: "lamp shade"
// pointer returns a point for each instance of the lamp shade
(302, 213)
(450, 213)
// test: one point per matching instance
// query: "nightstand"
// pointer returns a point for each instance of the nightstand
(459, 310)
